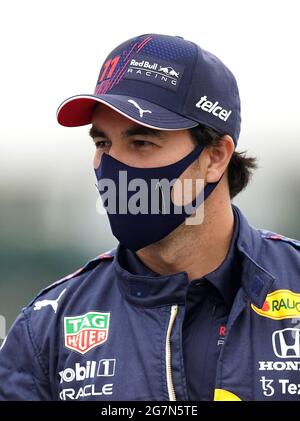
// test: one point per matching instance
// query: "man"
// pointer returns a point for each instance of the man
(194, 304)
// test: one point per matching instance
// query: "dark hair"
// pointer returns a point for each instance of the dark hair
(240, 167)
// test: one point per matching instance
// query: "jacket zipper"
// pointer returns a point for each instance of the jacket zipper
(171, 390)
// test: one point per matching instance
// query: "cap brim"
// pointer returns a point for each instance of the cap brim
(78, 111)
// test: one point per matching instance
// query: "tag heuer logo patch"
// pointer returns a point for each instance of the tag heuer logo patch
(82, 333)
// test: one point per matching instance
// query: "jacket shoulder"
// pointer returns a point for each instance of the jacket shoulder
(270, 235)
(87, 267)
(280, 256)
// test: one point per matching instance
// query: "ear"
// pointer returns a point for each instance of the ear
(218, 158)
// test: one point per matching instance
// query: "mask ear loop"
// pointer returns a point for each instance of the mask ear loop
(208, 189)
(198, 200)
(211, 186)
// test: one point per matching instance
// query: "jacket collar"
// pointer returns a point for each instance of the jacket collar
(256, 280)
(151, 291)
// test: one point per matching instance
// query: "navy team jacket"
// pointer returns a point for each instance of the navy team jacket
(102, 333)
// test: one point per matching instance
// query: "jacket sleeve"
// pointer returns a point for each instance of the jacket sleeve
(22, 376)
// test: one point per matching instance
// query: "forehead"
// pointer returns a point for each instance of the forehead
(108, 122)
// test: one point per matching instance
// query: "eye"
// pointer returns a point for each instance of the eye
(142, 144)
(102, 144)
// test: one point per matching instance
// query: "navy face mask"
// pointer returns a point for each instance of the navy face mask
(144, 225)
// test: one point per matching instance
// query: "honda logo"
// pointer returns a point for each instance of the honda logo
(286, 343)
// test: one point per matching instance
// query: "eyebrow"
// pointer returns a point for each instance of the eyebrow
(131, 131)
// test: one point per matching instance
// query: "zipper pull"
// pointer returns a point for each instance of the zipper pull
(170, 384)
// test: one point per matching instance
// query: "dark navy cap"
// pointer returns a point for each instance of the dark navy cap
(163, 82)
